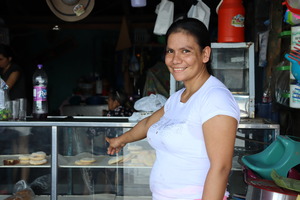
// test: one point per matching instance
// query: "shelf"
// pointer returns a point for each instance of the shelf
(232, 45)
(89, 197)
(69, 162)
(101, 162)
(245, 68)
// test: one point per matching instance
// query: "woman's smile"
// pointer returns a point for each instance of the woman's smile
(179, 69)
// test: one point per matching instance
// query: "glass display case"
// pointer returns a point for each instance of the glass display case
(76, 165)
(233, 64)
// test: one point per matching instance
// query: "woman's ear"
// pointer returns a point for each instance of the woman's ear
(206, 54)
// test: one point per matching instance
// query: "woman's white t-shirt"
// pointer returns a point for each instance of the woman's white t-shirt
(182, 163)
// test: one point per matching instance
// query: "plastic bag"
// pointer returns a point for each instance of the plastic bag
(281, 76)
(201, 12)
(5, 109)
(41, 184)
(138, 116)
(165, 17)
(263, 47)
(150, 103)
(22, 191)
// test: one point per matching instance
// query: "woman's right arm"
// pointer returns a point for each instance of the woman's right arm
(138, 132)
(12, 79)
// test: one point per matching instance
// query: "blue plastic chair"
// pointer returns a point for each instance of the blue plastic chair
(281, 155)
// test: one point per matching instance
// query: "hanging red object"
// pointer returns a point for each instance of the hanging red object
(231, 18)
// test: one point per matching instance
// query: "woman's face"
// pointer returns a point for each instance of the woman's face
(4, 61)
(184, 58)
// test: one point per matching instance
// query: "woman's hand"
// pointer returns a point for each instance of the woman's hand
(138, 132)
(115, 145)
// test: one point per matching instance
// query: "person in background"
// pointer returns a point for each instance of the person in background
(14, 78)
(193, 134)
(11, 73)
(118, 105)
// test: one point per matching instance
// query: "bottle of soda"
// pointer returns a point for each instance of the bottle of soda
(40, 104)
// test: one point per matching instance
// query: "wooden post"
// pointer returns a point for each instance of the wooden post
(274, 43)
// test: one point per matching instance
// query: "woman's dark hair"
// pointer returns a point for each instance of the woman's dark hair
(119, 96)
(195, 28)
(6, 51)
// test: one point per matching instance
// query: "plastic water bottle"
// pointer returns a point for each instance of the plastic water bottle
(40, 104)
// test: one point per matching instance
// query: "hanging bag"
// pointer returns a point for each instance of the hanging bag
(150, 103)
(165, 15)
(201, 12)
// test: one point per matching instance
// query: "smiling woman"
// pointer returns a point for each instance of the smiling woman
(194, 132)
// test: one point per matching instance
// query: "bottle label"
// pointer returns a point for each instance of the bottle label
(238, 21)
(40, 93)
